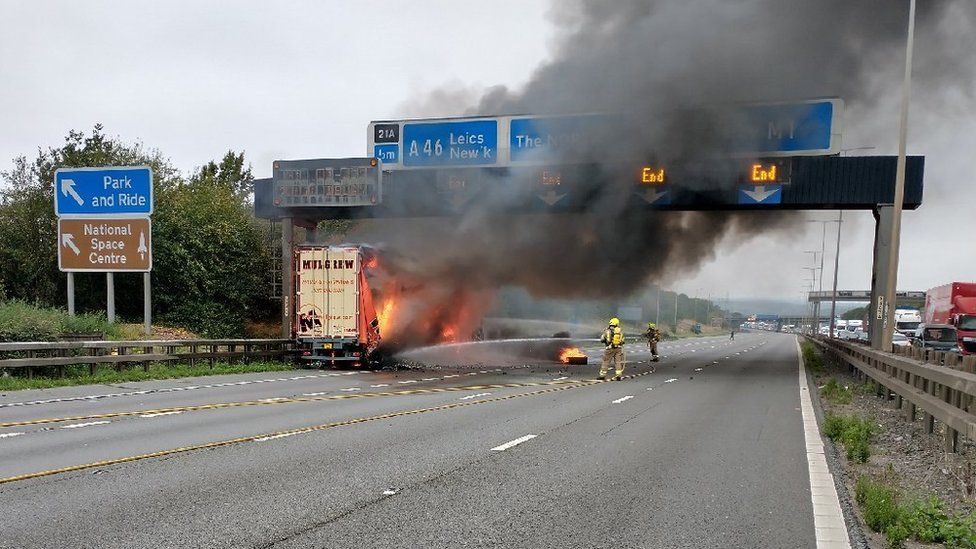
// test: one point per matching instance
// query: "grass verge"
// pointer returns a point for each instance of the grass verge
(79, 375)
(886, 510)
(22, 321)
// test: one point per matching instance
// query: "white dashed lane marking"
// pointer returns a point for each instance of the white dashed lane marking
(88, 424)
(469, 397)
(9, 435)
(513, 443)
(623, 399)
(672, 380)
(170, 389)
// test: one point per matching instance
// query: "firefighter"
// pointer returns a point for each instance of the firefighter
(613, 338)
(653, 337)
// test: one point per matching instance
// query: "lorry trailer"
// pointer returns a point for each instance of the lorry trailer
(335, 321)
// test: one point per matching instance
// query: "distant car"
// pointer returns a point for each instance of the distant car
(899, 339)
(938, 337)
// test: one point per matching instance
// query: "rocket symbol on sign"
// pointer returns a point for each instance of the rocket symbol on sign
(142, 249)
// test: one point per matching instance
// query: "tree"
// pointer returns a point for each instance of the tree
(856, 313)
(209, 253)
(28, 226)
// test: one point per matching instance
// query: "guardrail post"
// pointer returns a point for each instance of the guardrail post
(910, 410)
(951, 440)
(193, 352)
(212, 359)
(147, 351)
(951, 435)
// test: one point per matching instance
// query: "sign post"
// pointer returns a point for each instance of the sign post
(104, 226)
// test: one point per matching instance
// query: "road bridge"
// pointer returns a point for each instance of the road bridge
(862, 296)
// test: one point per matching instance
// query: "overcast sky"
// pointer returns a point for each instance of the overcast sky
(303, 79)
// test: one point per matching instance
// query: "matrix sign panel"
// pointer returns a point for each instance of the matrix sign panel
(327, 182)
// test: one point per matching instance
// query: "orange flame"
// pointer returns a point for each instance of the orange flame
(385, 315)
(570, 352)
(449, 334)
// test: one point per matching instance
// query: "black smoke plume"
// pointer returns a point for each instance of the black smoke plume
(663, 64)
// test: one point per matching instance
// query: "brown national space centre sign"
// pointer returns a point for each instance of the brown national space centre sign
(105, 245)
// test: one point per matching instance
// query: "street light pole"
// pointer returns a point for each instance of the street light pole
(891, 281)
(833, 298)
(823, 244)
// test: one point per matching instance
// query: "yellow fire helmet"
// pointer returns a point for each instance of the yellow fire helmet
(615, 321)
(651, 325)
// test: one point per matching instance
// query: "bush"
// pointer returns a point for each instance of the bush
(835, 393)
(878, 502)
(20, 321)
(853, 432)
(925, 520)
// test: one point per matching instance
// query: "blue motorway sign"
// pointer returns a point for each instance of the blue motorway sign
(761, 194)
(774, 129)
(387, 154)
(540, 139)
(461, 143)
(103, 191)
(788, 129)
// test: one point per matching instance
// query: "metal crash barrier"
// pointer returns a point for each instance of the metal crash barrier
(942, 385)
(58, 354)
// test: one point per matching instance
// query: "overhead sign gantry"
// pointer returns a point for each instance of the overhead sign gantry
(782, 156)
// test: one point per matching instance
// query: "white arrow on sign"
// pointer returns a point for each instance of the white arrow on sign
(760, 193)
(68, 187)
(142, 245)
(68, 241)
(551, 197)
(651, 196)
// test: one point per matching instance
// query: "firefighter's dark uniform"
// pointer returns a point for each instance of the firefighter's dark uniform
(653, 337)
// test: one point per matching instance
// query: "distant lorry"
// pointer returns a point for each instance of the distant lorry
(335, 321)
(954, 304)
(907, 321)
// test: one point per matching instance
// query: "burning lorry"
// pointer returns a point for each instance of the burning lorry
(335, 320)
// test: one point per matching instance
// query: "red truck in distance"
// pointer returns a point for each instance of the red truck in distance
(954, 304)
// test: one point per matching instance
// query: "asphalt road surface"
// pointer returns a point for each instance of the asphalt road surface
(702, 449)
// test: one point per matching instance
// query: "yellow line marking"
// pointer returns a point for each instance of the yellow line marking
(313, 428)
